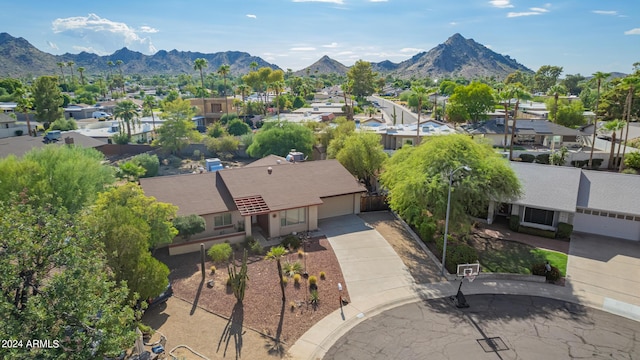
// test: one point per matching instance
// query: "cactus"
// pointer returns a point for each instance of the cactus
(239, 278)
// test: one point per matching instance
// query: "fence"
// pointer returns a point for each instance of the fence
(373, 203)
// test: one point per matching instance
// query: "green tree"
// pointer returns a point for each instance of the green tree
(573, 83)
(130, 171)
(418, 178)
(419, 93)
(61, 65)
(333, 138)
(47, 100)
(363, 78)
(189, 225)
(81, 72)
(276, 254)
(238, 127)
(127, 112)
(223, 146)
(149, 162)
(555, 91)
(129, 224)
(24, 104)
(220, 252)
(570, 114)
(476, 98)
(216, 130)
(224, 71)
(279, 138)
(363, 155)
(632, 160)
(56, 286)
(200, 64)
(148, 104)
(178, 130)
(613, 127)
(546, 77)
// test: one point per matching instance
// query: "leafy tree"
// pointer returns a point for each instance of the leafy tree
(189, 225)
(573, 83)
(178, 130)
(127, 112)
(60, 176)
(47, 99)
(363, 155)
(216, 130)
(363, 78)
(224, 146)
(518, 77)
(559, 157)
(129, 224)
(476, 98)
(149, 162)
(546, 77)
(555, 91)
(447, 87)
(24, 104)
(418, 179)
(63, 124)
(277, 253)
(220, 252)
(279, 138)
(130, 171)
(571, 114)
(56, 285)
(632, 160)
(238, 127)
(226, 118)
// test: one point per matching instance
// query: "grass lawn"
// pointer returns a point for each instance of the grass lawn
(517, 258)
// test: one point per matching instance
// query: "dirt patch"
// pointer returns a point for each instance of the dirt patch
(262, 308)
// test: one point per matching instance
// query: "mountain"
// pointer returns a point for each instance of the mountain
(19, 58)
(459, 57)
(325, 65)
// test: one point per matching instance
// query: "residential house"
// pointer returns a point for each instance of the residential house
(211, 110)
(272, 198)
(528, 132)
(19, 145)
(394, 137)
(594, 202)
(105, 131)
(10, 127)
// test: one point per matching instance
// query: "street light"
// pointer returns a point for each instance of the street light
(446, 222)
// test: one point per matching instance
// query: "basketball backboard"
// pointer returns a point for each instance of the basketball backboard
(469, 271)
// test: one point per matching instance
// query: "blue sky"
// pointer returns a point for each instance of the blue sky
(582, 36)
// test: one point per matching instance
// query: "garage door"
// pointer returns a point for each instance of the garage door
(608, 226)
(335, 206)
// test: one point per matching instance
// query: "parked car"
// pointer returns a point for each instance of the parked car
(101, 115)
(164, 296)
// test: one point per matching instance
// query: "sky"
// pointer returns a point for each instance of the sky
(582, 36)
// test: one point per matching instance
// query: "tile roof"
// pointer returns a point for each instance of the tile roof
(609, 191)
(20, 145)
(192, 193)
(548, 186)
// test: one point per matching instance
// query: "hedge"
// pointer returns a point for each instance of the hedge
(528, 158)
(539, 269)
(564, 230)
(537, 232)
(457, 253)
(543, 159)
(514, 222)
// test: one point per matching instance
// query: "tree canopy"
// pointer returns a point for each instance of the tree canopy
(363, 79)
(476, 99)
(178, 130)
(47, 99)
(279, 137)
(418, 178)
(362, 154)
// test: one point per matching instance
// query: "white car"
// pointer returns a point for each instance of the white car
(101, 115)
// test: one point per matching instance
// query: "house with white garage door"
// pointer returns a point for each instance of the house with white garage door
(558, 197)
(272, 196)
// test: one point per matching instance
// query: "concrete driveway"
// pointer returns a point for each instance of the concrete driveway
(605, 273)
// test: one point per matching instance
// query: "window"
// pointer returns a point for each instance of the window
(538, 216)
(579, 211)
(293, 216)
(222, 220)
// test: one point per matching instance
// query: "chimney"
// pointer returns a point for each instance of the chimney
(269, 170)
(68, 140)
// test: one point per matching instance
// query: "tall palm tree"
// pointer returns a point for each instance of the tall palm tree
(200, 64)
(119, 65)
(253, 66)
(70, 65)
(81, 72)
(346, 89)
(127, 111)
(110, 64)
(278, 87)
(556, 90)
(61, 65)
(148, 103)
(276, 253)
(519, 93)
(613, 126)
(631, 83)
(504, 96)
(243, 89)
(598, 77)
(419, 91)
(224, 70)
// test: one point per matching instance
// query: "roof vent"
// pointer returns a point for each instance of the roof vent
(269, 170)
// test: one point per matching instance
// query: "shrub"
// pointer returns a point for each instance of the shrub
(300, 253)
(291, 269)
(290, 242)
(19, 132)
(543, 159)
(292, 305)
(213, 269)
(539, 269)
(564, 230)
(528, 158)
(514, 222)
(296, 279)
(285, 280)
(314, 298)
(149, 162)
(322, 275)
(537, 232)
(457, 253)
(220, 252)
(256, 248)
(426, 229)
(145, 329)
(313, 280)
(629, 171)
(632, 160)
(189, 225)
(238, 127)
(196, 154)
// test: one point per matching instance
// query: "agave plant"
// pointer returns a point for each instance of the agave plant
(290, 269)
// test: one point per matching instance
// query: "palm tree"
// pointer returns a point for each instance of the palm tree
(81, 71)
(613, 126)
(127, 111)
(346, 89)
(243, 88)
(61, 65)
(630, 82)
(253, 66)
(556, 90)
(278, 87)
(148, 103)
(70, 65)
(598, 76)
(24, 104)
(419, 91)
(519, 93)
(224, 71)
(200, 64)
(276, 253)
(504, 96)
(119, 64)
(110, 64)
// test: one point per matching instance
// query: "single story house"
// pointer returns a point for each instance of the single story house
(274, 198)
(20, 145)
(594, 202)
(528, 132)
(10, 127)
(394, 137)
(105, 130)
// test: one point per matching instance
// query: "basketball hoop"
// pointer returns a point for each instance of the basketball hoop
(468, 271)
(468, 274)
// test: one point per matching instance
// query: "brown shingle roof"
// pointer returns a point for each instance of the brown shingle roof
(269, 160)
(193, 193)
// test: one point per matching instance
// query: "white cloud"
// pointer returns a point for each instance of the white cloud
(332, 45)
(537, 9)
(339, 2)
(453, 23)
(635, 31)
(52, 45)
(533, 11)
(252, 16)
(411, 50)
(378, 0)
(104, 35)
(605, 12)
(303, 48)
(501, 3)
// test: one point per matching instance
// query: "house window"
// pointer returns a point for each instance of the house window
(293, 217)
(538, 216)
(222, 220)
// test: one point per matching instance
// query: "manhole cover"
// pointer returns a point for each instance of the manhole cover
(492, 344)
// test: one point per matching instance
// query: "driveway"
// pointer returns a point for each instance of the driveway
(605, 273)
